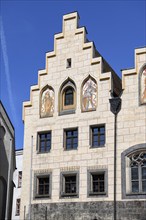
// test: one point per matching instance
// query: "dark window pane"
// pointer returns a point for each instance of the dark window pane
(98, 136)
(134, 173)
(102, 130)
(69, 96)
(144, 173)
(143, 186)
(43, 186)
(135, 186)
(70, 184)
(71, 139)
(45, 142)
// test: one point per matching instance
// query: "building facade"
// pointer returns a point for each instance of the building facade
(83, 160)
(17, 178)
(7, 163)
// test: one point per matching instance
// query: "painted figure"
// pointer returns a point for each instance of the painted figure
(47, 103)
(89, 95)
(143, 87)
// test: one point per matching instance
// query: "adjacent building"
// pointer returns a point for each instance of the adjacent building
(7, 163)
(85, 135)
(17, 178)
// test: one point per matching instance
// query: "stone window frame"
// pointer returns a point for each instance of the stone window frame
(19, 179)
(124, 156)
(139, 79)
(91, 138)
(67, 109)
(89, 179)
(18, 203)
(40, 175)
(64, 138)
(38, 141)
(62, 184)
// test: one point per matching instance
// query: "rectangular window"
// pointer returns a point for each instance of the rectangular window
(69, 184)
(18, 207)
(44, 142)
(97, 183)
(68, 63)
(97, 138)
(71, 139)
(42, 187)
(19, 179)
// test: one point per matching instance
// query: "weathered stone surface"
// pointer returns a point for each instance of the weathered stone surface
(126, 210)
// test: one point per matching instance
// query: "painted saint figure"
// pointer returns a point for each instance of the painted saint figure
(47, 103)
(89, 95)
(143, 87)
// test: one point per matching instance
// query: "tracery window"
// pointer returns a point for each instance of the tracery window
(89, 95)
(138, 172)
(47, 102)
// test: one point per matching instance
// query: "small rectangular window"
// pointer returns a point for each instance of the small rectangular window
(71, 139)
(19, 179)
(97, 138)
(42, 185)
(18, 207)
(44, 142)
(68, 63)
(69, 184)
(97, 183)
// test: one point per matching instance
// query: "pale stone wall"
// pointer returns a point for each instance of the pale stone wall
(71, 44)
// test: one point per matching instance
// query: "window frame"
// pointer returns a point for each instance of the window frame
(63, 194)
(127, 193)
(65, 138)
(72, 106)
(98, 126)
(19, 179)
(17, 211)
(36, 185)
(90, 173)
(39, 141)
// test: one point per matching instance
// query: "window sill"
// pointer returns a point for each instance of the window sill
(41, 196)
(70, 149)
(38, 152)
(67, 112)
(98, 146)
(136, 194)
(97, 194)
(69, 195)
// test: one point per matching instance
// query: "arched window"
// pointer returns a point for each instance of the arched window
(142, 85)
(133, 172)
(89, 95)
(47, 102)
(138, 172)
(67, 97)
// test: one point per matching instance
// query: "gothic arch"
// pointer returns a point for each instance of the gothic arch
(47, 97)
(142, 85)
(89, 94)
(67, 97)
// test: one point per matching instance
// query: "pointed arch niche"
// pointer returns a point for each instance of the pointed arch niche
(142, 85)
(67, 97)
(89, 94)
(47, 101)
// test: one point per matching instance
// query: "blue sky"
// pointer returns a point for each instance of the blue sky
(27, 33)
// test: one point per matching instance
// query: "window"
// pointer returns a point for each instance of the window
(18, 206)
(19, 179)
(67, 97)
(138, 172)
(97, 136)
(71, 139)
(69, 184)
(133, 162)
(44, 142)
(97, 182)
(68, 63)
(42, 185)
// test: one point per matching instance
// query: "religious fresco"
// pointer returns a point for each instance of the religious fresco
(47, 103)
(143, 87)
(89, 95)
